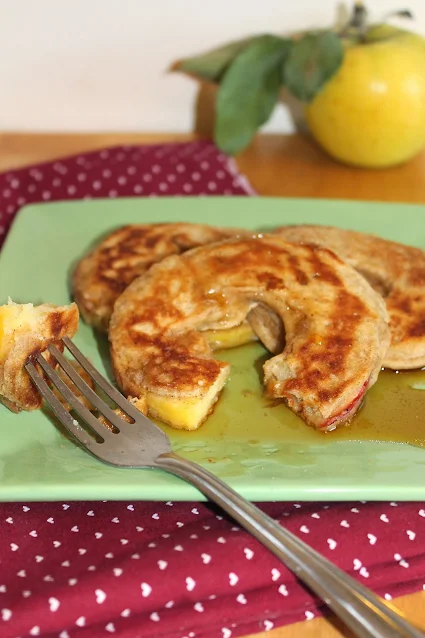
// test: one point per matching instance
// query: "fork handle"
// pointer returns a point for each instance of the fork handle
(366, 614)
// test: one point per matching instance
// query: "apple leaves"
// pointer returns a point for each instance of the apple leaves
(312, 61)
(212, 64)
(249, 92)
(251, 73)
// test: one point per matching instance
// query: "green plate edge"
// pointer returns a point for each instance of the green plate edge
(37, 463)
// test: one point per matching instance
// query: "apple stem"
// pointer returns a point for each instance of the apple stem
(357, 24)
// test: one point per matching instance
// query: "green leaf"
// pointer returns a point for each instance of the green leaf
(248, 92)
(312, 61)
(212, 64)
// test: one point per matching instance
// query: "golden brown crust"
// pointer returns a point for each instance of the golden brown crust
(33, 331)
(395, 270)
(336, 325)
(128, 252)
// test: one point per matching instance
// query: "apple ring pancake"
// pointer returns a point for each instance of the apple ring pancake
(336, 329)
(102, 275)
(395, 270)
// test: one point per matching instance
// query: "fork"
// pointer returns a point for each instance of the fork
(142, 444)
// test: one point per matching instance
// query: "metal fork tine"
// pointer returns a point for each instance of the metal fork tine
(76, 405)
(63, 415)
(108, 389)
(87, 392)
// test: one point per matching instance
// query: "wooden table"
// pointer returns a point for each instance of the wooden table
(290, 166)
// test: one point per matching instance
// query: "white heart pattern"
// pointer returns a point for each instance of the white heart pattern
(275, 574)
(115, 520)
(56, 544)
(162, 564)
(332, 543)
(75, 528)
(25, 508)
(315, 515)
(90, 513)
(190, 584)
(125, 613)
(154, 616)
(81, 621)
(50, 520)
(282, 590)
(82, 551)
(110, 627)
(221, 540)
(411, 535)
(155, 516)
(233, 579)
(363, 572)
(123, 541)
(268, 625)
(6, 614)
(98, 535)
(206, 558)
(130, 507)
(22, 573)
(304, 529)
(117, 571)
(198, 607)
(3, 589)
(309, 615)
(372, 539)
(248, 553)
(180, 524)
(14, 547)
(226, 632)
(345, 524)
(38, 559)
(357, 563)
(72, 582)
(100, 596)
(195, 510)
(9, 520)
(178, 548)
(54, 604)
(146, 589)
(241, 599)
(35, 631)
(422, 513)
(384, 518)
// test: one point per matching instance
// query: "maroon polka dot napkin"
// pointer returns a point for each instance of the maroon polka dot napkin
(174, 570)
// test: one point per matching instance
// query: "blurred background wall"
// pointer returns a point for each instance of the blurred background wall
(102, 64)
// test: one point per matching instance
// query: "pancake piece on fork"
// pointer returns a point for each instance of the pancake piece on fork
(395, 270)
(25, 331)
(336, 329)
(102, 275)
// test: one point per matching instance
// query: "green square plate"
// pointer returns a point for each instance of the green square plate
(265, 452)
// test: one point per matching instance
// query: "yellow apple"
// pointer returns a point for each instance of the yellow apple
(372, 112)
